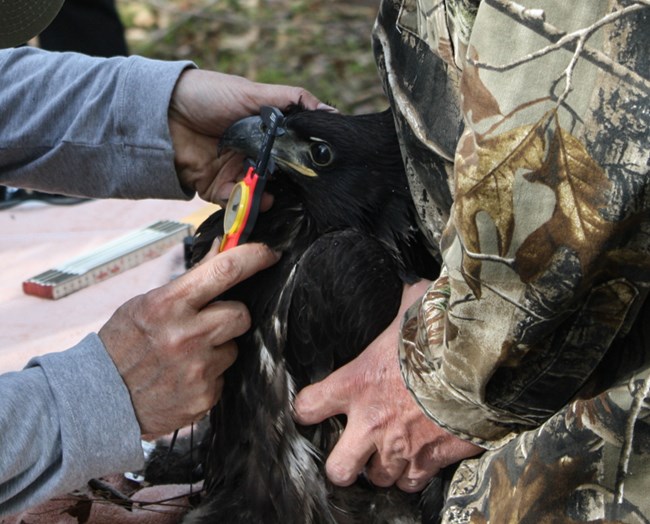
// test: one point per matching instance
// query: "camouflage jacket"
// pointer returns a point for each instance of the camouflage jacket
(524, 129)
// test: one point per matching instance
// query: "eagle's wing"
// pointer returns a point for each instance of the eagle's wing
(345, 291)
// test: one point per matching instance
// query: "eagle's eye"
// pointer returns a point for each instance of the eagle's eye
(321, 154)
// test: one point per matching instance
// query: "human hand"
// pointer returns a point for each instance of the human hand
(172, 344)
(387, 433)
(203, 105)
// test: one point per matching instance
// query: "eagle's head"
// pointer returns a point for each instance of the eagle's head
(346, 170)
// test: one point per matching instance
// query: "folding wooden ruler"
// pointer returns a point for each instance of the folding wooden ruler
(109, 260)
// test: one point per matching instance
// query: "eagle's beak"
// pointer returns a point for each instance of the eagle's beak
(245, 136)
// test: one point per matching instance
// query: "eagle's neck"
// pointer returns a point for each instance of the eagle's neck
(297, 218)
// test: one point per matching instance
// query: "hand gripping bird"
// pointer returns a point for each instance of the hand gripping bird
(344, 221)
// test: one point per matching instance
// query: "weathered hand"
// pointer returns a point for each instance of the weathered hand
(203, 105)
(387, 433)
(172, 344)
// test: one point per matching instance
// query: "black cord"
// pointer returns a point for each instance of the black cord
(191, 457)
(12, 197)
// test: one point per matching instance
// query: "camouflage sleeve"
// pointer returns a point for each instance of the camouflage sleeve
(545, 245)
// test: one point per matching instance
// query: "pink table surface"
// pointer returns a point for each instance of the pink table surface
(35, 237)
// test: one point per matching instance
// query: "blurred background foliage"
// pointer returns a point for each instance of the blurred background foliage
(323, 46)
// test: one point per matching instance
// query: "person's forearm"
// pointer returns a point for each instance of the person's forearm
(51, 436)
(87, 126)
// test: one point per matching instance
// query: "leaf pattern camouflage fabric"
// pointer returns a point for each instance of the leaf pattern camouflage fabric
(524, 129)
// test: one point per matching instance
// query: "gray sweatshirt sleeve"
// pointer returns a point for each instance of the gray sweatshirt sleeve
(64, 419)
(87, 126)
(95, 127)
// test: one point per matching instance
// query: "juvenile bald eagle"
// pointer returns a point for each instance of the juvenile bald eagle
(345, 223)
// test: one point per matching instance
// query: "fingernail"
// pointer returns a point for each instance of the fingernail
(411, 485)
(276, 254)
(325, 107)
(340, 475)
